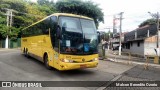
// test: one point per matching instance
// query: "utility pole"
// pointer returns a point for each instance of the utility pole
(11, 19)
(114, 29)
(109, 42)
(114, 25)
(9, 15)
(158, 34)
(120, 32)
(6, 42)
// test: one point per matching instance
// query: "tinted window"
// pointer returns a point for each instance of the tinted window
(88, 26)
(70, 24)
(37, 29)
(45, 26)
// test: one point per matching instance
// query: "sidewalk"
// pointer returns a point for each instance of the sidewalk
(124, 56)
(4, 49)
(138, 73)
(113, 56)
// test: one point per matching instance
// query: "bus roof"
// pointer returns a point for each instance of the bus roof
(72, 15)
(61, 14)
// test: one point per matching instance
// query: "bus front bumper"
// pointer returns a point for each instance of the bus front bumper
(71, 66)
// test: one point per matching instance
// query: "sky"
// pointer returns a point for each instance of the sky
(135, 12)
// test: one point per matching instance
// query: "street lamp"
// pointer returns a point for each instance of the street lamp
(156, 16)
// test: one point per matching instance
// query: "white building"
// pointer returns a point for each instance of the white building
(142, 41)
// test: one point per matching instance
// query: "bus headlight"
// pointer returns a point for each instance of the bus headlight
(95, 59)
(66, 60)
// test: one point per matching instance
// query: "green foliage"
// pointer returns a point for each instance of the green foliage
(46, 6)
(86, 8)
(47, 10)
(3, 30)
(25, 13)
(14, 33)
(148, 22)
(18, 5)
(108, 35)
(3, 27)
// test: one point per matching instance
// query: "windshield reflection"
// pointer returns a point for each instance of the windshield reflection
(78, 36)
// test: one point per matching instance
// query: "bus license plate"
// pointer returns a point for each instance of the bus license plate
(83, 66)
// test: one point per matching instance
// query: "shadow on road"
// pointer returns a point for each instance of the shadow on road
(55, 71)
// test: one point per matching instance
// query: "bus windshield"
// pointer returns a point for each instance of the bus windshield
(78, 36)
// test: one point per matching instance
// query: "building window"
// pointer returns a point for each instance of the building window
(138, 44)
(131, 44)
(127, 45)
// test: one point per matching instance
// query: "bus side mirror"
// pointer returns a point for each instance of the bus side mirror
(99, 37)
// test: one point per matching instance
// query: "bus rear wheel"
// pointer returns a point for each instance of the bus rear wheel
(46, 62)
(26, 53)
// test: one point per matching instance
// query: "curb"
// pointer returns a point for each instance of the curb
(3, 49)
(133, 62)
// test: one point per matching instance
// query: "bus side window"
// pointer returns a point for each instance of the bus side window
(46, 26)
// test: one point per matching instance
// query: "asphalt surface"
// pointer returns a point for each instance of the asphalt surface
(138, 73)
(14, 66)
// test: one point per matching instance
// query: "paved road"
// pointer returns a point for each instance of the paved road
(138, 73)
(15, 67)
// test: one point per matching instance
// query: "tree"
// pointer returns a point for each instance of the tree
(25, 13)
(148, 22)
(108, 35)
(47, 6)
(86, 8)
(17, 5)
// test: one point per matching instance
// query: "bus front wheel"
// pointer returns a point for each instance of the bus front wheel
(46, 62)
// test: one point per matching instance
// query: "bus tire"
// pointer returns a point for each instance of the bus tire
(26, 53)
(46, 62)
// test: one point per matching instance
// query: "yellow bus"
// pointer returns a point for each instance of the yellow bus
(62, 41)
